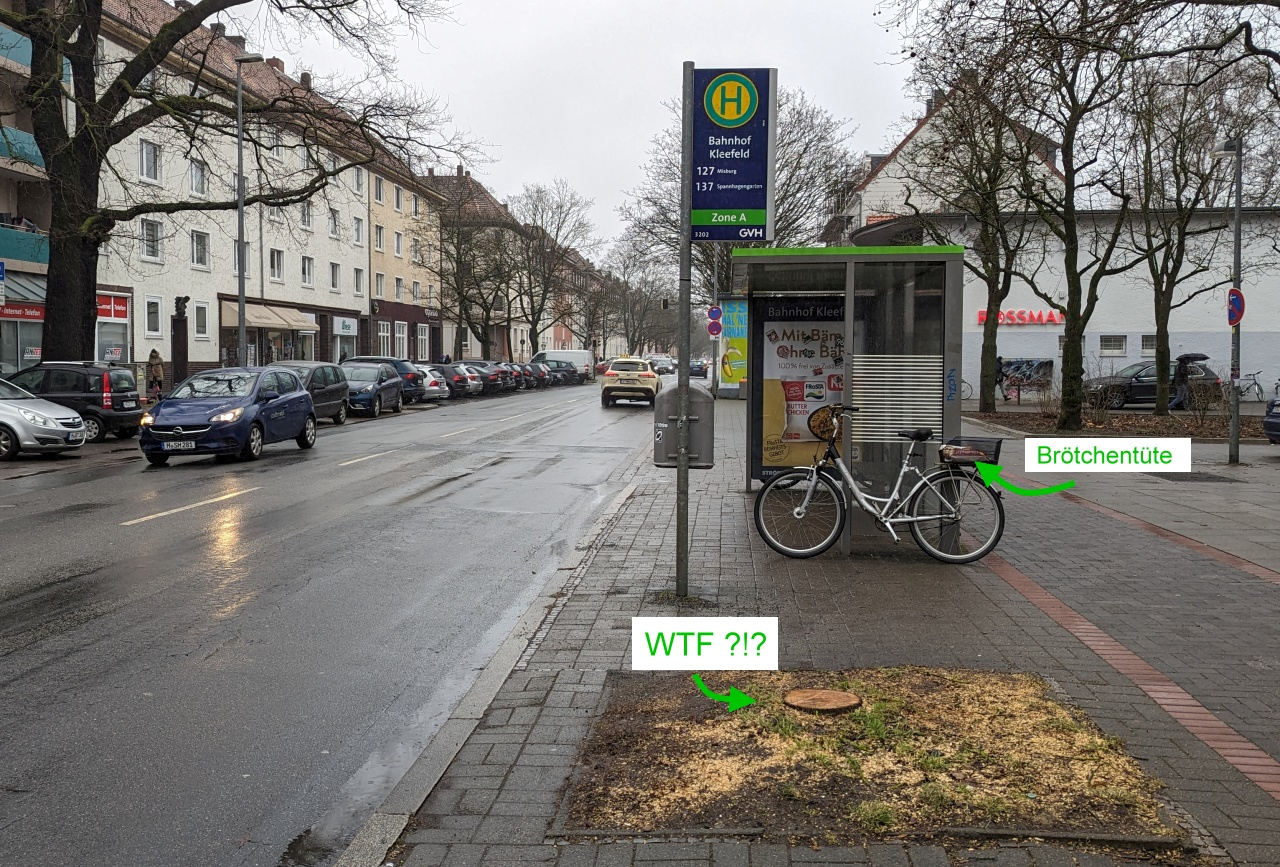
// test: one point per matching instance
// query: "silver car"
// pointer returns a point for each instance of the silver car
(433, 380)
(29, 424)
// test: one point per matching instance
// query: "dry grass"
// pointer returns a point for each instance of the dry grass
(929, 749)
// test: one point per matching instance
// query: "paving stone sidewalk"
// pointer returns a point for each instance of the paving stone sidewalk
(1199, 624)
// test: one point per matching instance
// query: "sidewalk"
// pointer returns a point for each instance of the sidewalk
(1164, 642)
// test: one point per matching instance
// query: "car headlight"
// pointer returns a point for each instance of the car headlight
(229, 415)
(366, 389)
(36, 418)
(147, 419)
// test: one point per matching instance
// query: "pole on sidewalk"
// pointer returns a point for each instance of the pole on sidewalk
(682, 370)
(1233, 445)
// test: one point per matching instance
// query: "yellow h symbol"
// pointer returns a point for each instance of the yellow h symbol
(726, 99)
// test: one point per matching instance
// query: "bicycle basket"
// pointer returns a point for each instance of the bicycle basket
(967, 450)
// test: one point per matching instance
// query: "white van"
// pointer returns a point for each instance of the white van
(582, 360)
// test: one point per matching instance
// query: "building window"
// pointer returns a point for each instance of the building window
(199, 179)
(398, 196)
(149, 161)
(424, 343)
(308, 271)
(400, 244)
(377, 189)
(399, 288)
(384, 338)
(277, 143)
(379, 285)
(202, 320)
(415, 251)
(200, 249)
(377, 238)
(402, 340)
(335, 277)
(275, 214)
(152, 248)
(357, 231)
(153, 316)
(241, 260)
(466, 341)
(277, 265)
(359, 181)
(1112, 344)
(334, 217)
(357, 280)
(416, 206)
(1148, 344)
(1062, 341)
(306, 215)
(417, 291)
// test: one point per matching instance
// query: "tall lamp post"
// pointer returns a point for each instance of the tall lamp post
(241, 259)
(1235, 147)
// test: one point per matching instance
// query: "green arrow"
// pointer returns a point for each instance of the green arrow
(991, 476)
(736, 698)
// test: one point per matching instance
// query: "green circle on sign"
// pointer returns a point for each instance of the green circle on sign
(731, 100)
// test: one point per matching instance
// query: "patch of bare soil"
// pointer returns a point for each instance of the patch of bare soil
(1128, 424)
(929, 749)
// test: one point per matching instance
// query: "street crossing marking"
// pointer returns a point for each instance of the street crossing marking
(185, 508)
(366, 458)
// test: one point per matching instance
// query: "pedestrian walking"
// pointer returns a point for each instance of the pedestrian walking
(1181, 384)
(155, 375)
(446, 359)
(1001, 377)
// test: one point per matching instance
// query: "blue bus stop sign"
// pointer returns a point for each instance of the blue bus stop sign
(1235, 307)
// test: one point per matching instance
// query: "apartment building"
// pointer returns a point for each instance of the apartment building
(404, 256)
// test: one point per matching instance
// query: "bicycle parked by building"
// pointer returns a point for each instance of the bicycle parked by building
(952, 515)
(1248, 388)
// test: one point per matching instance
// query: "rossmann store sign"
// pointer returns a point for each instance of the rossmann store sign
(1022, 316)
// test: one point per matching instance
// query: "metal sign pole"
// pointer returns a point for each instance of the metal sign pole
(682, 373)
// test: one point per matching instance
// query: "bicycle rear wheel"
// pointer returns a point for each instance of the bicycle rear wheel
(796, 533)
(958, 518)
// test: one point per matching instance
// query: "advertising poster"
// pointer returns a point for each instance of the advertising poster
(733, 343)
(801, 372)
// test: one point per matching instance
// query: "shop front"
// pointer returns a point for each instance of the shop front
(404, 331)
(273, 333)
(22, 324)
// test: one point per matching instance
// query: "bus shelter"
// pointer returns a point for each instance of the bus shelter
(874, 328)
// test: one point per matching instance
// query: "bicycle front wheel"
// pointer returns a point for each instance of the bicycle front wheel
(966, 390)
(956, 517)
(799, 513)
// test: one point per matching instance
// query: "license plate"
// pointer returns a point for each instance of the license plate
(629, 381)
(178, 445)
(129, 404)
(76, 436)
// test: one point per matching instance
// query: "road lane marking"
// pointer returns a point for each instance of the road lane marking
(185, 508)
(455, 433)
(366, 458)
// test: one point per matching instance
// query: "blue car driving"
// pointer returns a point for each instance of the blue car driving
(229, 411)
(375, 386)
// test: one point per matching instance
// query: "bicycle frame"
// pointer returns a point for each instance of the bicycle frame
(888, 512)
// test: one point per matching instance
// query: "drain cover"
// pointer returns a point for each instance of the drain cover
(822, 700)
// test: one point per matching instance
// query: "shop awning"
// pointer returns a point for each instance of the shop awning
(296, 321)
(20, 286)
(255, 316)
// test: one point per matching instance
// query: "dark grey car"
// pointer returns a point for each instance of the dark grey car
(327, 384)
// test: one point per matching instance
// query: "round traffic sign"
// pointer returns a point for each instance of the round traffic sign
(1235, 307)
(714, 313)
(714, 328)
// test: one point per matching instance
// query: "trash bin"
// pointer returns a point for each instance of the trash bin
(702, 433)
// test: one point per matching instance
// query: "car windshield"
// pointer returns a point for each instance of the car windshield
(9, 391)
(361, 372)
(216, 385)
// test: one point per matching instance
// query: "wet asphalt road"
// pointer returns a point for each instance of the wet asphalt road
(212, 685)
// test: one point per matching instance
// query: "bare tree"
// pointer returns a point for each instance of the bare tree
(811, 162)
(557, 231)
(179, 78)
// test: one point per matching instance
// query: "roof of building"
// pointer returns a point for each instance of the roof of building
(467, 200)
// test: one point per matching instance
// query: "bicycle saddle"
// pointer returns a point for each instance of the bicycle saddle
(920, 434)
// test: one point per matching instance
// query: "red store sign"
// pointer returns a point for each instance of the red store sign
(1023, 316)
(109, 307)
(30, 312)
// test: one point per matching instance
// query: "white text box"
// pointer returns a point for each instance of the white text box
(1108, 455)
(704, 643)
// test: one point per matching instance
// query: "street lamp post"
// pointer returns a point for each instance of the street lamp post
(241, 259)
(1235, 147)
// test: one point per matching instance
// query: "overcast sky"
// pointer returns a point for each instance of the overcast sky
(574, 88)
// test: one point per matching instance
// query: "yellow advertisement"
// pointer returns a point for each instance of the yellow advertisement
(802, 389)
(733, 343)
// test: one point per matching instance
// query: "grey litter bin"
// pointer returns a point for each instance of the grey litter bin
(702, 428)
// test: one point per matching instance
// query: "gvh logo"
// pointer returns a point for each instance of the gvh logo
(757, 232)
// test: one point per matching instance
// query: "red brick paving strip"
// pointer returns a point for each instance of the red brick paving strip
(1243, 754)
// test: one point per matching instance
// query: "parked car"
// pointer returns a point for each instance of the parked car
(581, 359)
(457, 379)
(496, 379)
(1137, 383)
(411, 379)
(629, 379)
(698, 368)
(327, 385)
(569, 374)
(227, 412)
(433, 382)
(29, 424)
(104, 394)
(518, 371)
(662, 363)
(475, 382)
(1270, 422)
(602, 366)
(537, 375)
(373, 387)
